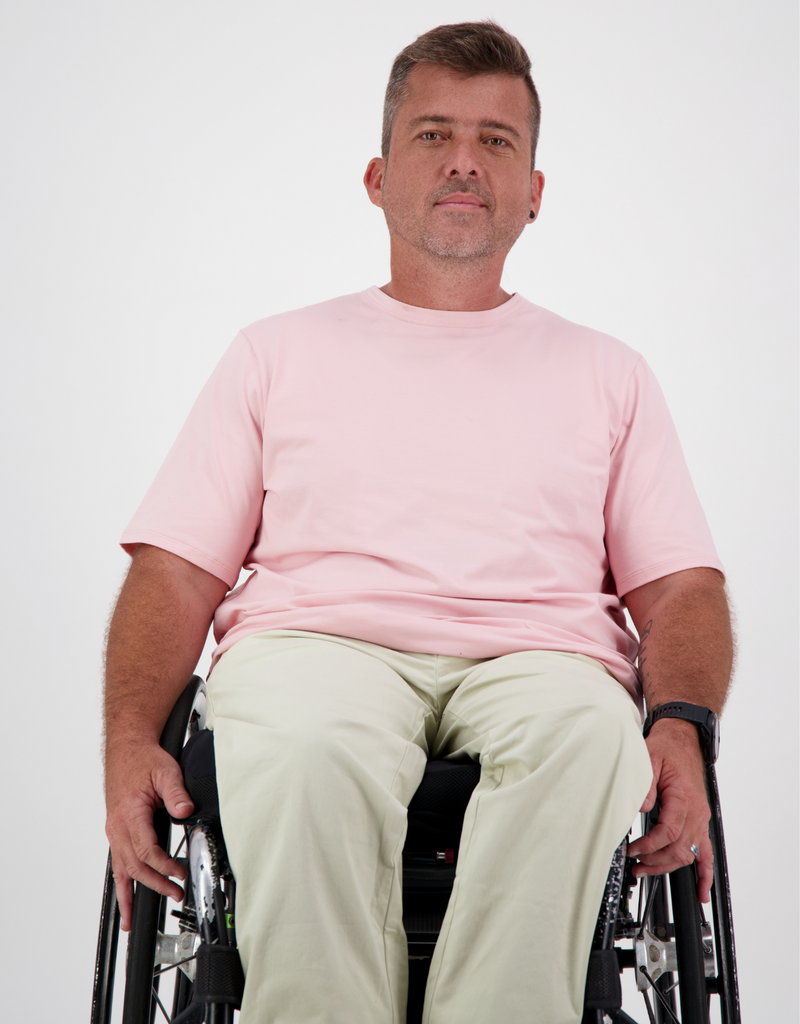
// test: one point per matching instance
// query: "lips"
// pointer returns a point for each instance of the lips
(462, 200)
(454, 196)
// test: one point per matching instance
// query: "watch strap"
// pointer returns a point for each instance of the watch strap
(704, 718)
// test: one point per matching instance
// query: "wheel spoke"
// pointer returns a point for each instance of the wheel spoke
(651, 1016)
(160, 1005)
(649, 907)
(665, 1005)
(163, 970)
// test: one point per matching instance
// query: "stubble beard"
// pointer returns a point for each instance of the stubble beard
(440, 245)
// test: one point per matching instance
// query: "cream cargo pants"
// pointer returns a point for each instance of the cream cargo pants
(321, 742)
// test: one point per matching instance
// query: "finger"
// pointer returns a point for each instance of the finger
(661, 837)
(148, 854)
(705, 870)
(650, 799)
(663, 863)
(669, 828)
(123, 888)
(134, 848)
(168, 783)
(127, 871)
(142, 873)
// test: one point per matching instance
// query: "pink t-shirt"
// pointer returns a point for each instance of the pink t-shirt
(469, 484)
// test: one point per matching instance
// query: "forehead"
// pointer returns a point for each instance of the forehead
(470, 101)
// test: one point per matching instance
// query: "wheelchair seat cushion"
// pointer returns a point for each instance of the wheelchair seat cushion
(436, 811)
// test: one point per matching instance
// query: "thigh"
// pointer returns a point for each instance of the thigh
(563, 771)
(515, 710)
(320, 747)
(308, 699)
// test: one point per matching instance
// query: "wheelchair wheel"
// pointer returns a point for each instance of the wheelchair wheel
(141, 999)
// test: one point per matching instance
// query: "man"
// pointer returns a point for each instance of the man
(444, 494)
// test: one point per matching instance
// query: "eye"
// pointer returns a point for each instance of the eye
(430, 136)
(496, 142)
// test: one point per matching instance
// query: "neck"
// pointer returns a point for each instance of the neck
(453, 284)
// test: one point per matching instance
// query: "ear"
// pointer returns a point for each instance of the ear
(537, 187)
(373, 179)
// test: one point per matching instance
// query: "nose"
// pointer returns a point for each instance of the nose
(463, 162)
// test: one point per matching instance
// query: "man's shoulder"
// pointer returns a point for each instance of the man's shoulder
(331, 311)
(576, 339)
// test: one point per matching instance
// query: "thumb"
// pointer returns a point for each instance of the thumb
(169, 786)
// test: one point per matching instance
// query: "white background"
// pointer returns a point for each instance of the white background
(174, 170)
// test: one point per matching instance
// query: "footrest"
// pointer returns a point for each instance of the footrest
(219, 978)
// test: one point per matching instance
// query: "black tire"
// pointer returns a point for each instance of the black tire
(106, 962)
(149, 909)
(693, 997)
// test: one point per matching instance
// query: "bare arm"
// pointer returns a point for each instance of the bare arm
(685, 653)
(155, 637)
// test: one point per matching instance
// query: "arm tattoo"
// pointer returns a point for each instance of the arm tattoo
(644, 675)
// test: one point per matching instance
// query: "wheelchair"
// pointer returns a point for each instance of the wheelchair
(681, 961)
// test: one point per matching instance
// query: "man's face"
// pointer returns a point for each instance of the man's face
(458, 182)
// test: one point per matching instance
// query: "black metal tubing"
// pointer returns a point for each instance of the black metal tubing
(726, 984)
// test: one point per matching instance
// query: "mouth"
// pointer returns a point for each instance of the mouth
(461, 201)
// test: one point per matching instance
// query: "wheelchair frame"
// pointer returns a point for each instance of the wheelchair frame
(674, 947)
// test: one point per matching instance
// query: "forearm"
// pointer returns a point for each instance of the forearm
(155, 637)
(686, 641)
(685, 654)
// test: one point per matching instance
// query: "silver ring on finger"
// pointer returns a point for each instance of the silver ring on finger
(695, 851)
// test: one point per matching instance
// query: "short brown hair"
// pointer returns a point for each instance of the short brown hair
(470, 48)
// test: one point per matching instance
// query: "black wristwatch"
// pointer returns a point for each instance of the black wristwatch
(704, 718)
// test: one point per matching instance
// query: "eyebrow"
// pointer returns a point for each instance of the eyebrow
(437, 119)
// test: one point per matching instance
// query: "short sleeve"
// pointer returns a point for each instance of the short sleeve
(654, 522)
(206, 502)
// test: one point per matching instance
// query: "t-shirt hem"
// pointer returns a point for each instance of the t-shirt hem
(666, 568)
(223, 572)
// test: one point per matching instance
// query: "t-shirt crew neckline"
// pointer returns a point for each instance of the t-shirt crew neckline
(443, 317)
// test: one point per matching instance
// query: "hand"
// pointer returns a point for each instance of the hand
(679, 785)
(139, 779)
